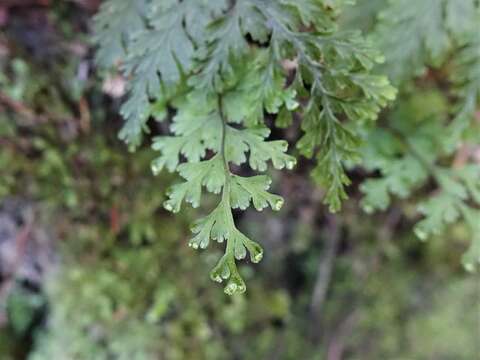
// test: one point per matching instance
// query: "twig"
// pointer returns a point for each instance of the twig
(21, 109)
(85, 116)
(21, 241)
(324, 274)
(336, 346)
(34, 118)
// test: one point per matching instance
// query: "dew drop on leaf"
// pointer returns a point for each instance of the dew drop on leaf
(278, 204)
(422, 235)
(168, 206)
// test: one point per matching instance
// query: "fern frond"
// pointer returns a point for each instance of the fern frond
(221, 72)
(412, 40)
(115, 24)
(410, 153)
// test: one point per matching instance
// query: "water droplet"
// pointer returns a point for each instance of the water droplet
(291, 164)
(422, 235)
(168, 206)
(380, 59)
(469, 267)
(278, 204)
(217, 278)
(368, 209)
(231, 288)
(156, 168)
(258, 257)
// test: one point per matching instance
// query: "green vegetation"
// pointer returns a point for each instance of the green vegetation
(372, 249)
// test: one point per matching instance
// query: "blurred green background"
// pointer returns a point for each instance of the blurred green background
(92, 267)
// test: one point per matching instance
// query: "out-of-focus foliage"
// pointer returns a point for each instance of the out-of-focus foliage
(425, 40)
(422, 140)
(125, 285)
(123, 311)
(409, 152)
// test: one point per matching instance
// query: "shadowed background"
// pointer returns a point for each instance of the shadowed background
(92, 267)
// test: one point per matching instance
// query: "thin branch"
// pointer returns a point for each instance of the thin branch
(336, 347)
(21, 241)
(21, 109)
(324, 274)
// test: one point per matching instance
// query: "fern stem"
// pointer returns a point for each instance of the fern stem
(228, 173)
(224, 135)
